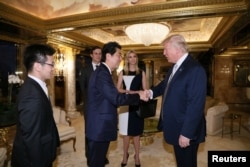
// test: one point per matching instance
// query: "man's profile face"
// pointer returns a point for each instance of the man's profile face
(47, 70)
(170, 52)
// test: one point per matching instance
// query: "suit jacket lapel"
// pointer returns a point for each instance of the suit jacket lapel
(180, 69)
(40, 89)
(105, 67)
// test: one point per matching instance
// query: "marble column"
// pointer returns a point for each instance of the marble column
(70, 94)
(148, 73)
(51, 90)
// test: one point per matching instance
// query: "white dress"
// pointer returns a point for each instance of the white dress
(123, 110)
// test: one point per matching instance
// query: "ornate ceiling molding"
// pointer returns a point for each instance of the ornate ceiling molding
(126, 15)
(227, 39)
(150, 12)
(215, 15)
(158, 49)
(204, 33)
(225, 25)
(63, 40)
(20, 19)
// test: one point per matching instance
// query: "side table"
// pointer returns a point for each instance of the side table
(231, 119)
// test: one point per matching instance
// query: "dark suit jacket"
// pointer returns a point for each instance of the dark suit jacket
(36, 139)
(183, 107)
(84, 82)
(103, 100)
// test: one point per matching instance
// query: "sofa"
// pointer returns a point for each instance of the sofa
(3, 156)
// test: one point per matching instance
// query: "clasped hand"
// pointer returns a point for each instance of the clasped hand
(144, 95)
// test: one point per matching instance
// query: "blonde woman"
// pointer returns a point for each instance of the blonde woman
(130, 80)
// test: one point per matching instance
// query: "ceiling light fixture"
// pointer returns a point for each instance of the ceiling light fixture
(147, 33)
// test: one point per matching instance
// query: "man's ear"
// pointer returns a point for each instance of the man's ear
(37, 66)
(108, 55)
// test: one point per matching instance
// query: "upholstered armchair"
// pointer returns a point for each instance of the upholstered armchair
(3, 156)
(214, 118)
(63, 123)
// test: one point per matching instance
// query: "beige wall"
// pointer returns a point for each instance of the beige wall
(224, 88)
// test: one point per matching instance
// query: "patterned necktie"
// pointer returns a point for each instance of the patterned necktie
(166, 89)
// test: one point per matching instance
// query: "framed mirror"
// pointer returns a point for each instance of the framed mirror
(241, 76)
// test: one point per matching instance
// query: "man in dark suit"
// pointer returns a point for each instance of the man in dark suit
(184, 93)
(86, 71)
(96, 55)
(37, 139)
(103, 100)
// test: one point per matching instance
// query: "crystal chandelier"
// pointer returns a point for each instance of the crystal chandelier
(147, 33)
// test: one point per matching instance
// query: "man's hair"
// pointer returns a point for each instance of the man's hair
(36, 53)
(110, 48)
(94, 48)
(177, 41)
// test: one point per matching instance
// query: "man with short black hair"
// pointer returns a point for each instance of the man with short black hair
(103, 100)
(37, 139)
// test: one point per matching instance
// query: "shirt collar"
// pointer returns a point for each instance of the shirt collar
(93, 64)
(40, 82)
(180, 61)
(107, 67)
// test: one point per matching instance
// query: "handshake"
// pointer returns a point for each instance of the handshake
(144, 95)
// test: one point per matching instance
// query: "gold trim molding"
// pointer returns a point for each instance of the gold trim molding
(149, 12)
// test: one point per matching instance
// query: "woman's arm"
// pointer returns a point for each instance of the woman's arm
(144, 81)
(119, 84)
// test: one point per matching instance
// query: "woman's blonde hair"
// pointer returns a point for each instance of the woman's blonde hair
(126, 63)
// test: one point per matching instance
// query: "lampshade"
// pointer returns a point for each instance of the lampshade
(147, 33)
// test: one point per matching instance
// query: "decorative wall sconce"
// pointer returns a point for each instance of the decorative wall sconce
(241, 73)
(59, 60)
(225, 69)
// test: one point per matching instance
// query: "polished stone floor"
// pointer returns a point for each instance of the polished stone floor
(154, 151)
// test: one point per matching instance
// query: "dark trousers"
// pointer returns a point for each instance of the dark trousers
(186, 157)
(86, 148)
(97, 152)
(86, 139)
